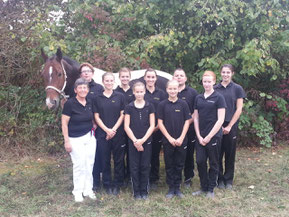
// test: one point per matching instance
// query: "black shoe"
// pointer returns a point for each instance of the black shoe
(197, 193)
(115, 191)
(170, 193)
(210, 194)
(229, 186)
(178, 193)
(153, 186)
(108, 191)
(137, 196)
(188, 183)
(145, 197)
(96, 188)
(221, 185)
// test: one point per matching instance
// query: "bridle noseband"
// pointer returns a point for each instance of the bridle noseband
(61, 92)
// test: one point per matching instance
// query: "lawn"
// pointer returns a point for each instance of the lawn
(41, 186)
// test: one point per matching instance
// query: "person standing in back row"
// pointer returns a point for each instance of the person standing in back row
(125, 89)
(233, 94)
(209, 115)
(154, 96)
(188, 94)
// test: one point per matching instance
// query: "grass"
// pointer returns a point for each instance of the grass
(42, 187)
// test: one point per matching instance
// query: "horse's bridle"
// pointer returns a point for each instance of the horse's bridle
(61, 92)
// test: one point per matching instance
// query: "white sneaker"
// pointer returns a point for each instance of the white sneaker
(91, 196)
(78, 198)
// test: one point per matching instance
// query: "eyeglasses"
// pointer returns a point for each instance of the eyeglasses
(86, 71)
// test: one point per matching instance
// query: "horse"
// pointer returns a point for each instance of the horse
(60, 73)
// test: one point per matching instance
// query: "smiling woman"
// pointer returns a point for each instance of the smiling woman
(79, 141)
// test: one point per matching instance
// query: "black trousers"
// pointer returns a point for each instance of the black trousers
(126, 160)
(97, 167)
(228, 149)
(139, 163)
(189, 162)
(116, 147)
(174, 162)
(208, 178)
(155, 159)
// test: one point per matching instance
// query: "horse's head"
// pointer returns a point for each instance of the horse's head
(54, 75)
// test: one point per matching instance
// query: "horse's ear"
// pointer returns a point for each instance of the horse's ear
(59, 54)
(44, 56)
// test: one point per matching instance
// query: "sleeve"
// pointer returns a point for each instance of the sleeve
(195, 94)
(151, 109)
(240, 93)
(67, 110)
(221, 102)
(187, 112)
(160, 114)
(95, 105)
(127, 110)
(196, 103)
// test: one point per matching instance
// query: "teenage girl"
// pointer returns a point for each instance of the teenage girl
(233, 94)
(209, 114)
(108, 113)
(154, 96)
(139, 124)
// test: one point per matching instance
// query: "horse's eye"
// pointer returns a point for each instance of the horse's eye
(59, 74)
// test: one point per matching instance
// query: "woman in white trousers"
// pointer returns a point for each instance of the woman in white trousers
(79, 139)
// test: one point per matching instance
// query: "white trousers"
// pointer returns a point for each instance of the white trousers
(82, 156)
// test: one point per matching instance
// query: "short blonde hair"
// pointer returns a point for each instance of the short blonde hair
(171, 82)
(107, 74)
(137, 84)
(124, 70)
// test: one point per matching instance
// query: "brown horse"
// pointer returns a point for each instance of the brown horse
(59, 75)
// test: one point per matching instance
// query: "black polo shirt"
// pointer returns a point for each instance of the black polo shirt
(139, 119)
(155, 97)
(208, 112)
(189, 95)
(80, 122)
(174, 115)
(109, 109)
(128, 95)
(94, 89)
(231, 93)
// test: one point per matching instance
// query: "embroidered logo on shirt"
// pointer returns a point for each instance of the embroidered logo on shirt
(177, 110)
(112, 101)
(214, 144)
(210, 101)
(156, 98)
(183, 97)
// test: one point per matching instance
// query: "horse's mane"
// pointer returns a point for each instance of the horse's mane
(71, 62)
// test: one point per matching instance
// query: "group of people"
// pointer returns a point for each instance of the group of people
(132, 124)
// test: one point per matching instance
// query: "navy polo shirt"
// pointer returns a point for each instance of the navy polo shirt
(139, 119)
(128, 95)
(174, 115)
(208, 112)
(231, 93)
(109, 109)
(80, 122)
